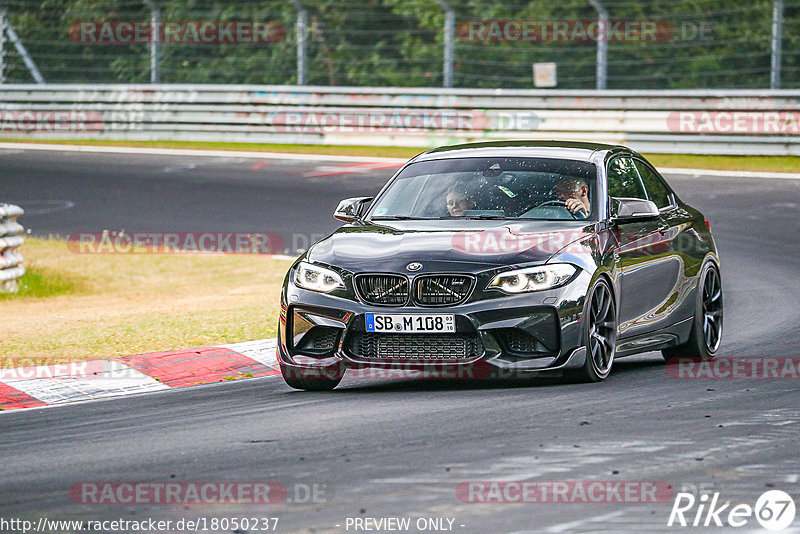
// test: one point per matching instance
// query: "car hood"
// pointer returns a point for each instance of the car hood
(477, 245)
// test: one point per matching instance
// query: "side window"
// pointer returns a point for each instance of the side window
(623, 179)
(656, 190)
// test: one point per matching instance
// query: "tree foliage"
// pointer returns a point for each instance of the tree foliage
(400, 43)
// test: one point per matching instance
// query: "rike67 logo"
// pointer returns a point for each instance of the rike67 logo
(774, 510)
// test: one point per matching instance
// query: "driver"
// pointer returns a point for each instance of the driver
(575, 194)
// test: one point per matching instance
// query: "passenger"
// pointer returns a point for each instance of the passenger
(460, 198)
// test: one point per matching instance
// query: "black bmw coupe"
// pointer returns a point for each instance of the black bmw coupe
(518, 257)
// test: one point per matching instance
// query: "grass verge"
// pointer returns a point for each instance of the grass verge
(727, 163)
(690, 161)
(74, 307)
(337, 150)
(40, 282)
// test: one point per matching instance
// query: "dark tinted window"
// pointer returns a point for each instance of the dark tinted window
(656, 190)
(623, 179)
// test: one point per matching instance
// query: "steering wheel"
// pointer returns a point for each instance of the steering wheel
(556, 204)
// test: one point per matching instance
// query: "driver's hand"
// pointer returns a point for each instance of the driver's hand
(574, 205)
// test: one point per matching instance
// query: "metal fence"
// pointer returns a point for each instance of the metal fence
(733, 122)
(10, 240)
(577, 44)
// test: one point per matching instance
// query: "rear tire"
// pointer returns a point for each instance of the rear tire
(311, 380)
(599, 334)
(706, 333)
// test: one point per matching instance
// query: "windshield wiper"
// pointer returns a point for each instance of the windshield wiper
(484, 217)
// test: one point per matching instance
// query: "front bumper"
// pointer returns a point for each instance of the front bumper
(510, 334)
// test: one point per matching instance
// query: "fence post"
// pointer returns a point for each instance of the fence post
(26, 58)
(302, 37)
(2, 45)
(777, 34)
(155, 19)
(449, 41)
(602, 43)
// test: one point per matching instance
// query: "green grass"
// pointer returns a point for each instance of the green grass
(728, 163)
(43, 283)
(73, 307)
(692, 161)
(344, 150)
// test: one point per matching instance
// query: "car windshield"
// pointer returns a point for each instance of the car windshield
(489, 188)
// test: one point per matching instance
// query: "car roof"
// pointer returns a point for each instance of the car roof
(522, 148)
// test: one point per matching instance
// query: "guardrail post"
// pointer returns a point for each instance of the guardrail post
(155, 49)
(602, 43)
(777, 34)
(449, 42)
(10, 240)
(302, 38)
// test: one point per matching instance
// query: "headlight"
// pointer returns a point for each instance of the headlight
(533, 278)
(317, 278)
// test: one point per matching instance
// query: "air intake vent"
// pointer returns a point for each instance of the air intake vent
(320, 339)
(442, 290)
(520, 342)
(418, 347)
(383, 289)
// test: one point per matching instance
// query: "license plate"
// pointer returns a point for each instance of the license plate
(407, 323)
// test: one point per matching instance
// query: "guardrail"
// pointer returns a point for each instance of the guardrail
(687, 121)
(10, 240)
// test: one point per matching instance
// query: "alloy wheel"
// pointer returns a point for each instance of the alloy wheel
(712, 310)
(602, 329)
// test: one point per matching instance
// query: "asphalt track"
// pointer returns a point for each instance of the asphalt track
(400, 448)
(68, 192)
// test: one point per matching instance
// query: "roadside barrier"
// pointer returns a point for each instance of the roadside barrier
(10, 240)
(684, 121)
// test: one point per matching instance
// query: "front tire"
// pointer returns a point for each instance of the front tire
(599, 333)
(706, 333)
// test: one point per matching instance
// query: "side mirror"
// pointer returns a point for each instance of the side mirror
(351, 209)
(632, 209)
